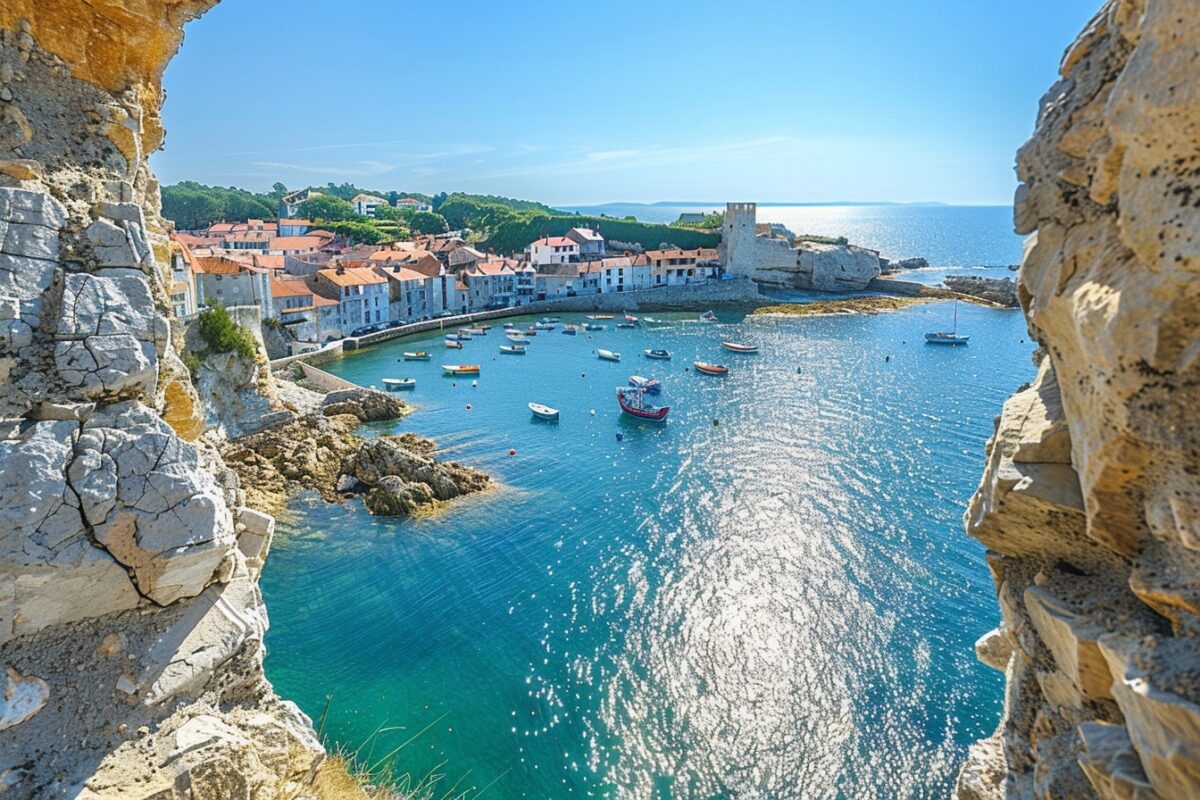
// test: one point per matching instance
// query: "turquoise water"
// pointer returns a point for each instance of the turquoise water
(782, 605)
(959, 236)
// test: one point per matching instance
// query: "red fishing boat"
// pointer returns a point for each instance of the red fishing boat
(633, 402)
(710, 369)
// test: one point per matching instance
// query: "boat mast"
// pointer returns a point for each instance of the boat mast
(956, 316)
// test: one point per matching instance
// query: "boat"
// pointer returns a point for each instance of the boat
(600, 316)
(550, 320)
(591, 326)
(740, 348)
(633, 402)
(395, 384)
(483, 327)
(631, 318)
(461, 369)
(570, 330)
(608, 355)
(477, 330)
(708, 316)
(543, 326)
(420, 355)
(662, 355)
(515, 336)
(510, 325)
(463, 335)
(649, 385)
(654, 323)
(513, 349)
(531, 331)
(948, 337)
(710, 369)
(626, 324)
(543, 412)
(453, 344)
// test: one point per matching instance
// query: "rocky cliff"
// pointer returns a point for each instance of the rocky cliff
(130, 618)
(1090, 503)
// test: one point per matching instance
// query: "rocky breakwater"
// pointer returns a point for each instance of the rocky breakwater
(131, 623)
(1090, 502)
(1000, 291)
(397, 475)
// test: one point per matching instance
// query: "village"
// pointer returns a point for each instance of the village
(319, 287)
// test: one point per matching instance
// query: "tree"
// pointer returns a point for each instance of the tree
(387, 213)
(428, 222)
(438, 199)
(328, 208)
(278, 188)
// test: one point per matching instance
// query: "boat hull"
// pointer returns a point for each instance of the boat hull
(711, 369)
(417, 356)
(543, 412)
(934, 338)
(659, 356)
(460, 369)
(734, 347)
(607, 355)
(652, 414)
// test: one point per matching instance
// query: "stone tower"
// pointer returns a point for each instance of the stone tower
(737, 238)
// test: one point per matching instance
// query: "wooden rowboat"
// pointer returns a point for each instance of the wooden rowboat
(461, 369)
(740, 348)
(710, 369)
(543, 412)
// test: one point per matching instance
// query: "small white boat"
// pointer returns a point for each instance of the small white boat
(395, 384)
(454, 344)
(461, 369)
(592, 326)
(708, 316)
(513, 349)
(550, 320)
(626, 324)
(510, 325)
(653, 323)
(516, 336)
(740, 348)
(419, 355)
(608, 355)
(648, 385)
(600, 316)
(631, 318)
(543, 412)
(543, 326)
(948, 337)
(662, 355)
(463, 335)
(477, 331)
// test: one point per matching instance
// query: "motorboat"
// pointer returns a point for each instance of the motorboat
(740, 348)
(531, 331)
(633, 402)
(454, 344)
(708, 316)
(510, 325)
(710, 369)
(608, 355)
(461, 369)
(550, 320)
(948, 337)
(626, 324)
(463, 335)
(631, 318)
(419, 355)
(516, 336)
(649, 385)
(513, 349)
(592, 326)
(651, 322)
(570, 330)
(477, 331)
(543, 412)
(395, 384)
(600, 316)
(662, 355)
(543, 326)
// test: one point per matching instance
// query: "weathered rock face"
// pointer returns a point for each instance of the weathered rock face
(1090, 504)
(1001, 291)
(130, 619)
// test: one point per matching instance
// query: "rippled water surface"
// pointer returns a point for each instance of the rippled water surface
(778, 605)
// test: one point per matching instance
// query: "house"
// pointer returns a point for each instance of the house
(491, 284)
(525, 283)
(230, 282)
(183, 278)
(413, 203)
(362, 295)
(464, 258)
(295, 306)
(557, 280)
(408, 255)
(293, 227)
(591, 243)
(409, 293)
(294, 245)
(676, 266)
(552, 250)
(625, 273)
(366, 204)
(589, 277)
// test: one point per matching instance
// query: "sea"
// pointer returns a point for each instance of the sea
(768, 596)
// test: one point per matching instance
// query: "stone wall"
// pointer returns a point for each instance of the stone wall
(131, 623)
(1090, 501)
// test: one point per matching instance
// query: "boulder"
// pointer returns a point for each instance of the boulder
(834, 267)
(366, 404)
(1001, 291)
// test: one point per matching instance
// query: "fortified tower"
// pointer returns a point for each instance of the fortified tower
(737, 238)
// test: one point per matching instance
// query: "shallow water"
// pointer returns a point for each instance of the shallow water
(780, 605)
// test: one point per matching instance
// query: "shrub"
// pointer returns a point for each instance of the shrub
(222, 335)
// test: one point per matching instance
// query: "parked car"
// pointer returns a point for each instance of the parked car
(361, 330)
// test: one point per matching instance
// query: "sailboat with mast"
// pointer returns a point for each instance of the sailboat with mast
(948, 337)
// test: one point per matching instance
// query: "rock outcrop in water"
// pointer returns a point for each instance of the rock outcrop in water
(1090, 503)
(1001, 291)
(131, 623)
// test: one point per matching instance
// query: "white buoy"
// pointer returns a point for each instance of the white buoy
(593, 412)
(474, 384)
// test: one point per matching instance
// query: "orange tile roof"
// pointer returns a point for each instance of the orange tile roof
(288, 288)
(292, 222)
(294, 243)
(353, 276)
(319, 301)
(219, 265)
(554, 241)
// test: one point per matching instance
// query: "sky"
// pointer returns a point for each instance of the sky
(618, 101)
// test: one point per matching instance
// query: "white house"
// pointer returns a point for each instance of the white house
(361, 292)
(367, 204)
(183, 279)
(226, 282)
(675, 266)
(624, 274)
(409, 293)
(552, 250)
(557, 280)
(414, 204)
(591, 243)
(491, 284)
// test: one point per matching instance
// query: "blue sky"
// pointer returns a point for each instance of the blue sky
(795, 100)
